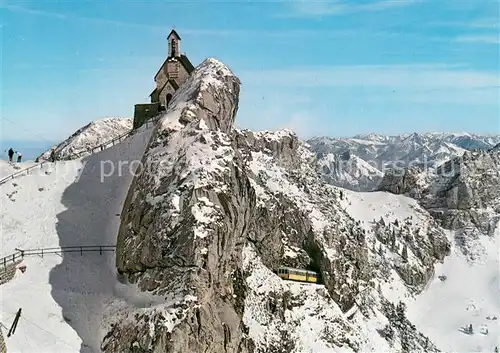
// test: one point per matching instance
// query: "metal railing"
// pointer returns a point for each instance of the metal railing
(99, 148)
(22, 171)
(20, 253)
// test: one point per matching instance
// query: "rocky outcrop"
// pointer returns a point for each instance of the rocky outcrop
(405, 181)
(214, 212)
(186, 221)
(462, 192)
(349, 171)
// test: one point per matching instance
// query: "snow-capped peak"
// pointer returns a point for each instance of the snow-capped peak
(89, 137)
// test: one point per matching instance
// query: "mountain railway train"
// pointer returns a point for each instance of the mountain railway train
(296, 274)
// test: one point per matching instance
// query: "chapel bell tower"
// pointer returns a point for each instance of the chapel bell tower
(174, 44)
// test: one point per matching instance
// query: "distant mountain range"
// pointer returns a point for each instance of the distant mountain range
(359, 163)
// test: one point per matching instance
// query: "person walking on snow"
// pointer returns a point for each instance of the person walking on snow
(11, 154)
(19, 157)
(53, 155)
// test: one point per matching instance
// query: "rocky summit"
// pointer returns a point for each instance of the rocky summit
(216, 211)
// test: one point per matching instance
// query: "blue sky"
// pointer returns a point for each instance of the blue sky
(334, 68)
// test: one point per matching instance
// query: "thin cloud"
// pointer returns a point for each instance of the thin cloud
(483, 23)
(25, 10)
(423, 77)
(289, 33)
(419, 84)
(300, 123)
(485, 39)
(62, 16)
(337, 7)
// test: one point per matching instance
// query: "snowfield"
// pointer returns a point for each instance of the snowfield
(65, 204)
(30, 205)
(470, 295)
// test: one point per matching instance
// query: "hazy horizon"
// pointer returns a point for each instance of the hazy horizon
(30, 149)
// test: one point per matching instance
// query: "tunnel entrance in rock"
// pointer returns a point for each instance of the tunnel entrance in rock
(314, 253)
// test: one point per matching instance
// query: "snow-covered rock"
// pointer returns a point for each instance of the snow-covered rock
(217, 210)
(349, 171)
(463, 194)
(89, 137)
(459, 192)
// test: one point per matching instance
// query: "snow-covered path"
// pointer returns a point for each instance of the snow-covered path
(7, 168)
(71, 205)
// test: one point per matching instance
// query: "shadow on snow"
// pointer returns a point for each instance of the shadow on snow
(82, 284)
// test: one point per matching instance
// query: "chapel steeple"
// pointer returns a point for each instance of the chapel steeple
(174, 44)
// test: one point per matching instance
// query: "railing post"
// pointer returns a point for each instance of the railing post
(42, 253)
(5, 262)
(100, 250)
(81, 250)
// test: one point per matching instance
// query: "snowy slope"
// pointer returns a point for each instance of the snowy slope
(65, 204)
(90, 136)
(7, 168)
(30, 205)
(470, 294)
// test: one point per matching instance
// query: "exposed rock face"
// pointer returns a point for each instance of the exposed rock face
(349, 171)
(458, 192)
(214, 212)
(186, 221)
(407, 181)
(463, 194)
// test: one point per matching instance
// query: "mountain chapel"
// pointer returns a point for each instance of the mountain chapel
(174, 71)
